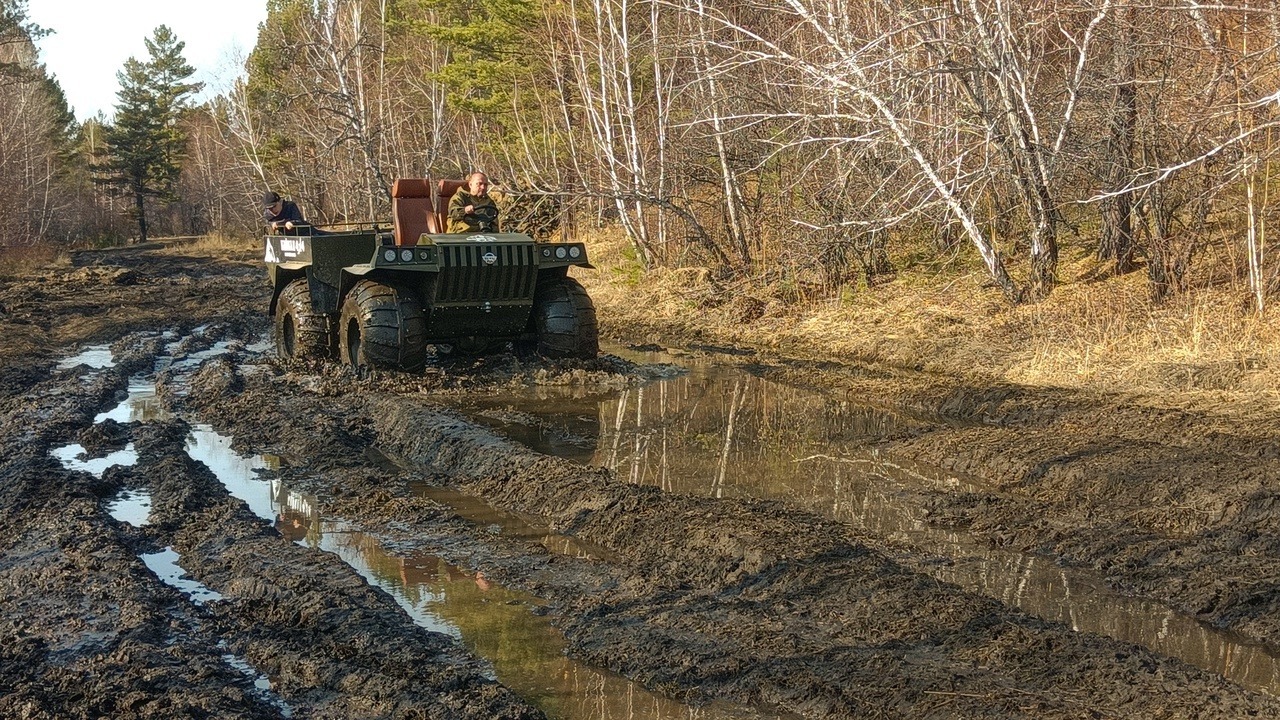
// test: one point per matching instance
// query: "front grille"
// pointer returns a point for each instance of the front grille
(465, 276)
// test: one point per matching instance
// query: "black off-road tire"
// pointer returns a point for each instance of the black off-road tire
(563, 323)
(382, 326)
(300, 332)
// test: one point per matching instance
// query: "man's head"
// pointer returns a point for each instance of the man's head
(478, 184)
(271, 201)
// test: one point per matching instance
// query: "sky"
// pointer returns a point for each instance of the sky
(93, 38)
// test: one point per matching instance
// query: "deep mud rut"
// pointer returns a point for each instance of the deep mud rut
(756, 603)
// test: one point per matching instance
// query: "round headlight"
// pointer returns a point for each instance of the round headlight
(423, 254)
(560, 253)
(389, 255)
(406, 255)
(575, 251)
(546, 252)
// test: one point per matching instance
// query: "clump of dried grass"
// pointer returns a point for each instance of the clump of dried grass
(1106, 334)
(16, 260)
(214, 244)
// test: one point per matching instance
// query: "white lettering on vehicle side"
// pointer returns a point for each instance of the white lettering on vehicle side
(292, 246)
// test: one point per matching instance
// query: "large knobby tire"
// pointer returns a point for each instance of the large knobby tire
(300, 332)
(382, 326)
(563, 324)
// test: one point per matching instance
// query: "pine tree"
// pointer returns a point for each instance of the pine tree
(16, 35)
(145, 142)
(487, 42)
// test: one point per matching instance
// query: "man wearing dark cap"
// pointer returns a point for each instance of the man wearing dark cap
(283, 216)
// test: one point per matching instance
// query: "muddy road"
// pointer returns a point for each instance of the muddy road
(194, 529)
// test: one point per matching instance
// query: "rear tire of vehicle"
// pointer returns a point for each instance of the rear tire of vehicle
(300, 332)
(382, 326)
(563, 324)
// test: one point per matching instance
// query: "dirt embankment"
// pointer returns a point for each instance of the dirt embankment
(700, 598)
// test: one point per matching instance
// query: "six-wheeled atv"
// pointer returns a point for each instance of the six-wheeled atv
(378, 298)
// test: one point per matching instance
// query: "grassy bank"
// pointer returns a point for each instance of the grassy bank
(1095, 332)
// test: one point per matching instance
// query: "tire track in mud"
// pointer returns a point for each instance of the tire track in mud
(749, 601)
(331, 644)
(87, 630)
(1178, 505)
(700, 602)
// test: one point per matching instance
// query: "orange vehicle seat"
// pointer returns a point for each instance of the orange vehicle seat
(411, 208)
(444, 191)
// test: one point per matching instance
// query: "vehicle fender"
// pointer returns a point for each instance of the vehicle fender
(281, 276)
(350, 276)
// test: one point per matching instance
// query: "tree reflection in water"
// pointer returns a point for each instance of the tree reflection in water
(722, 432)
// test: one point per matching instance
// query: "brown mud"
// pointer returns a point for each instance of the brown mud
(754, 602)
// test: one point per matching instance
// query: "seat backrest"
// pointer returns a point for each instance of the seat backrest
(411, 209)
(444, 191)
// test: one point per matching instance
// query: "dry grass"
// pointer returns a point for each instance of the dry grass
(215, 244)
(1101, 335)
(16, 260)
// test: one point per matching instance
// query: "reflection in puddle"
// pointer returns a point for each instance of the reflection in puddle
(94, 356)
(71, 458)
(261, 683)
(495, 623)
(508, 524)
(165, 565)
(194, 359)
(722, 432)
(141, 405)
(236, 471)
(131, 506)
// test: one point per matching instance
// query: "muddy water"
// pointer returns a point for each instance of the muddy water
(165, 566)
(718, 431)
(131, 506)
(494, 622)
(94, 356)
(141, 405)
(74, 457)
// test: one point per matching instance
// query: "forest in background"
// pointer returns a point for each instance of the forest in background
(807, 141)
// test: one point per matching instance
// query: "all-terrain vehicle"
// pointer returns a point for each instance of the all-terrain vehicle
(375, 297)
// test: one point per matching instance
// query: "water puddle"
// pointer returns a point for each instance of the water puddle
(73, 457)
(237, 472)
(261, 683)
(165, 565)
(722, 432)
(141, 405)
(131, 506)
(194, 359)
(94, 356)
(508, 524)
(478, 512)
(496, 623)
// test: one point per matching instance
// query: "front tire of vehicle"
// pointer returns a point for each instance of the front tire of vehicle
(563, 324)
(382, 326)
(299, 332)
